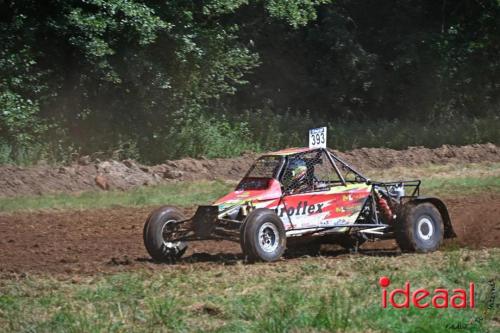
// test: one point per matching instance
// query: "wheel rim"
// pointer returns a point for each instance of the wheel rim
(268, 237)
(425, 228)
(167, 231)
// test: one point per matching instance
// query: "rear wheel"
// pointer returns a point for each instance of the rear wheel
(160, 231)
(420, 228)
(263, 236)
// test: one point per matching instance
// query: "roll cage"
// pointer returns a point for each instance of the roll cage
(343, 173)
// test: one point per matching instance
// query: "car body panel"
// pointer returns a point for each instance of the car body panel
(336, 206)
(240, 197)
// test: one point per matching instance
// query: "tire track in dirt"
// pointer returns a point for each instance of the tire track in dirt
(108, 240)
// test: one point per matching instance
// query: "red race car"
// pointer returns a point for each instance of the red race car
(297, 199)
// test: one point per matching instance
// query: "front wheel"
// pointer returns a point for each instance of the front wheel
(420, 228)
(160, 232)
(263, 236)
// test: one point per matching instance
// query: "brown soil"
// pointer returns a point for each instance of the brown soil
(111, 239)
(86, 175)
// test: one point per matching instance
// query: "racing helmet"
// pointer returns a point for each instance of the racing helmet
(296, 172)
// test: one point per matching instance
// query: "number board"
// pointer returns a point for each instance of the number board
(317, 137)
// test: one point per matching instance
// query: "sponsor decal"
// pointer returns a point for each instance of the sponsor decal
(330, 223)
(347, 197)
(302, 208)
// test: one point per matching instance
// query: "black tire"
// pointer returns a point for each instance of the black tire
(420, 228)
(263, 236)
(153, 234)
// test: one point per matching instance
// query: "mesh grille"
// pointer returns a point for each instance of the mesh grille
(308, 172)
(265, 167)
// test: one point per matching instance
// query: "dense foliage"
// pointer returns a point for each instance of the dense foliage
(164, 79)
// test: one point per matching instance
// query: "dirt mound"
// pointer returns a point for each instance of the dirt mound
(86, 175)
(44, 179)
(366, 158)
(111, 239)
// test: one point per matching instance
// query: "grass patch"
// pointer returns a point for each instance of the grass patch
(437, 171)
(314, 295)
(461, 186)
(179, 194)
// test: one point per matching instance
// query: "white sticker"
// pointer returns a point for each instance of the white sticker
(317, 137)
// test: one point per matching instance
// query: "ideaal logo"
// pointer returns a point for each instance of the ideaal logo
(422, 298)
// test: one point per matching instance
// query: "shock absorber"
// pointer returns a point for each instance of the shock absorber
(384, 207)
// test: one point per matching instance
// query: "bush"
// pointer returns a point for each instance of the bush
(202, 136)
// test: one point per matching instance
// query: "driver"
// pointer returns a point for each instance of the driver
(295, 177)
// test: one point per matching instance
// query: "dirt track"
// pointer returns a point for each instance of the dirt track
(111, 239)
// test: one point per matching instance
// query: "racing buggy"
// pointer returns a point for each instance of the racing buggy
(297, 199)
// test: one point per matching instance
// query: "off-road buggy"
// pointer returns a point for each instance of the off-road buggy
(297, 199)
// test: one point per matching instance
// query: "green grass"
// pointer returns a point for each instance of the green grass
(303, 295)
(180, 194)
(204, 192)
(461, 186)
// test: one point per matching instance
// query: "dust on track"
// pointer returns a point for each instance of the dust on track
(110, 240)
